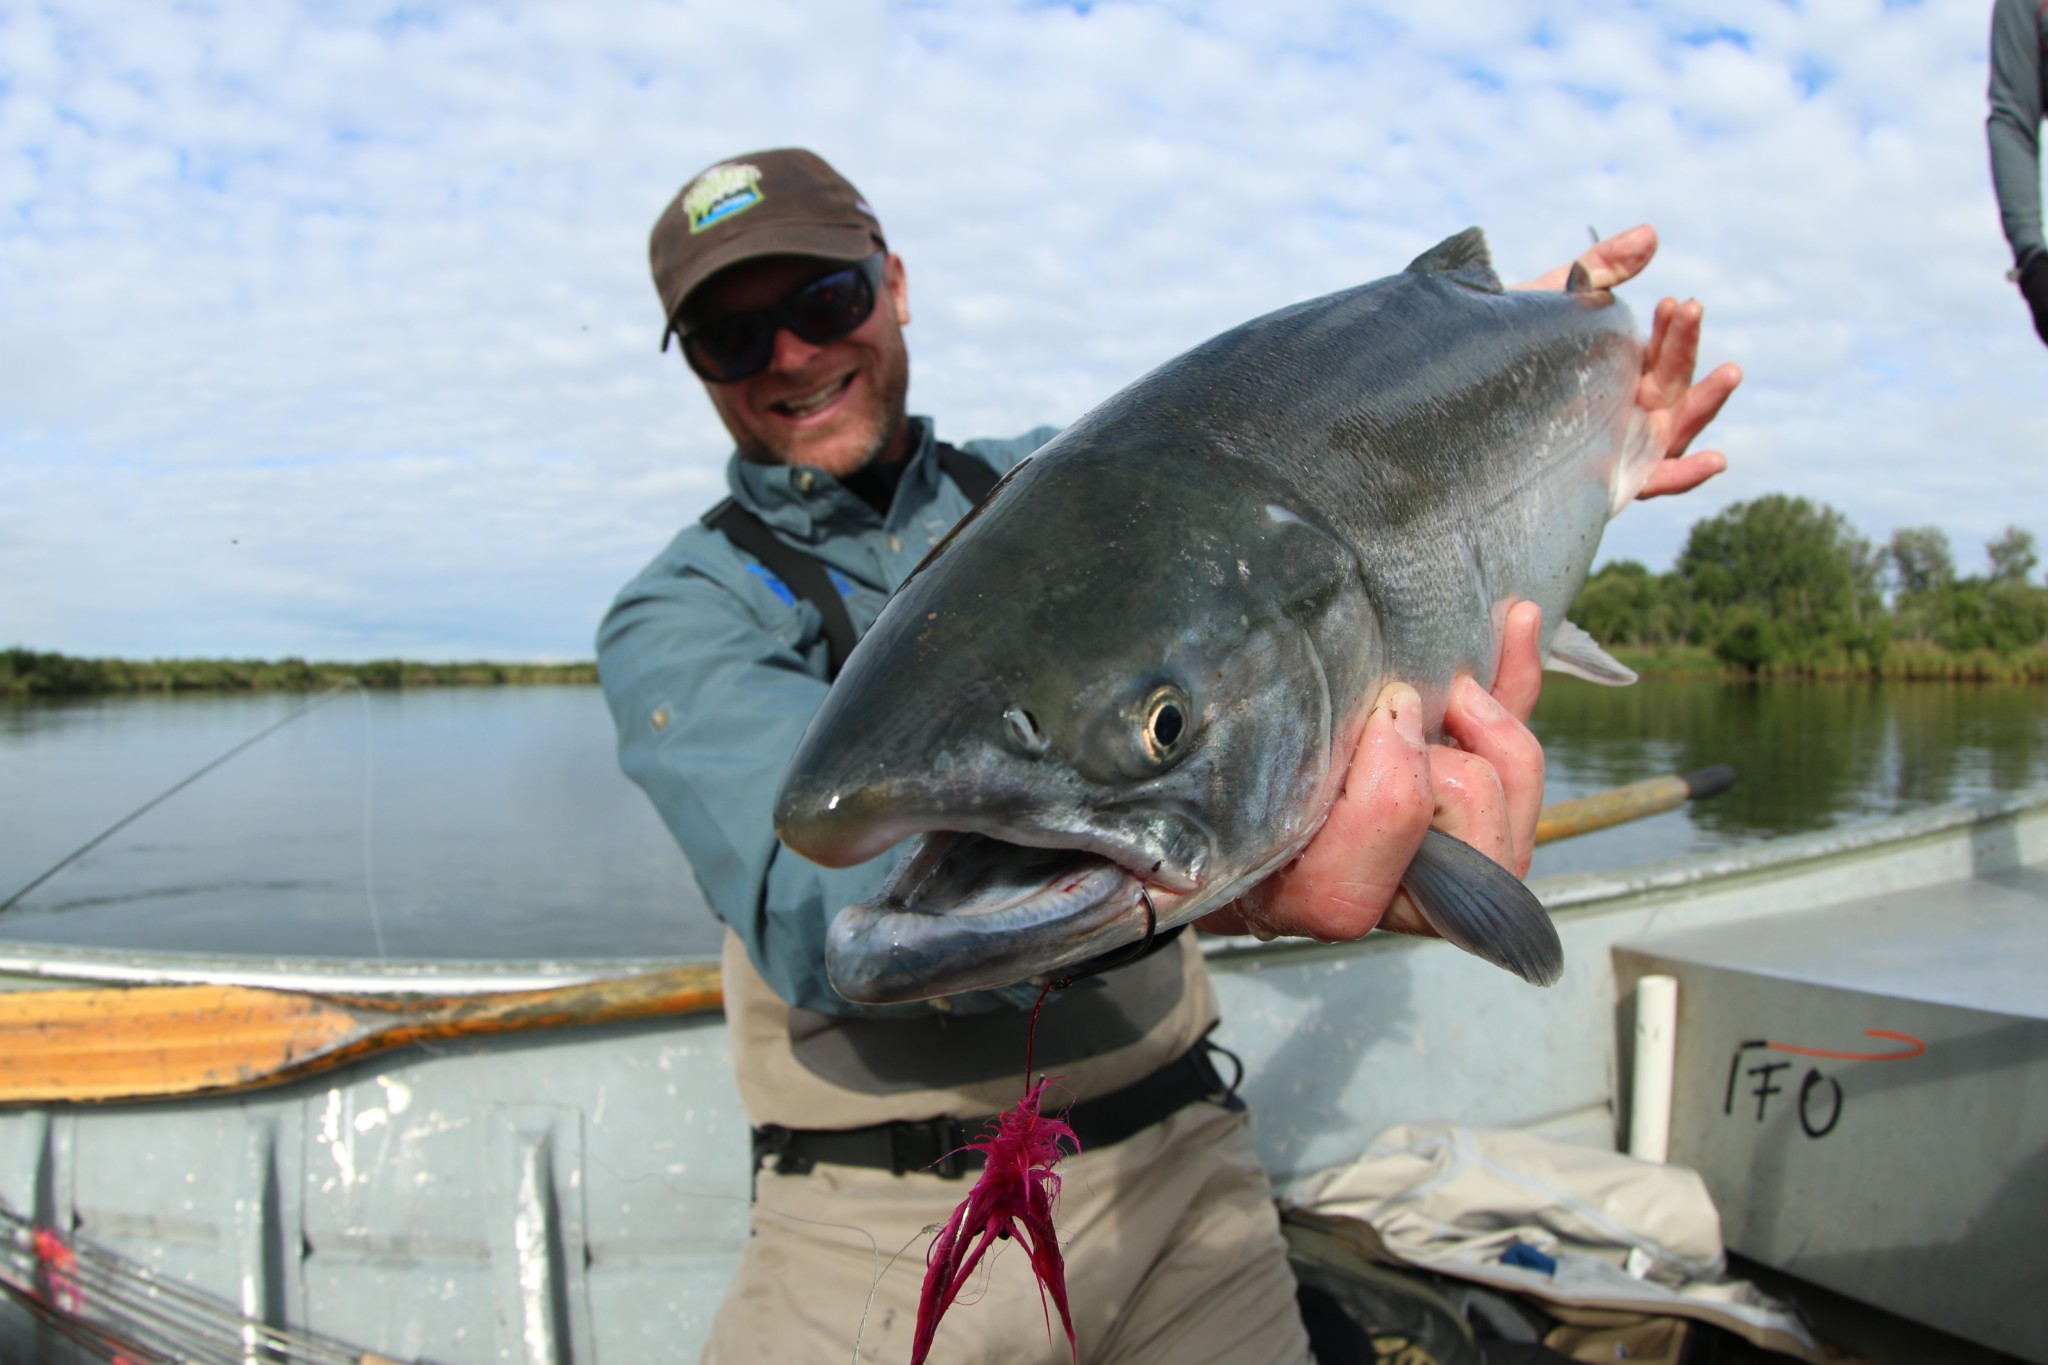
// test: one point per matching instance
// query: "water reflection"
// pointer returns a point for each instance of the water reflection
(494, 822)
(1808, 755)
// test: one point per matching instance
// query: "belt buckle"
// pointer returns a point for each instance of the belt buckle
(771, 1149)
(952, 1135)
(946, 1134)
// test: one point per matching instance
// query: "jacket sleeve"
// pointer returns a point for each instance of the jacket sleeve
(711, 687)
(2014, 128)
(709, 703)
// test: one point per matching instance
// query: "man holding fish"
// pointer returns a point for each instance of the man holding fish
(775, 278)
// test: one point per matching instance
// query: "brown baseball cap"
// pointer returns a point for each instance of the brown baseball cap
(785, 202)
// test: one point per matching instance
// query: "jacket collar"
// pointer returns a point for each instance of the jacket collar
(810, 505)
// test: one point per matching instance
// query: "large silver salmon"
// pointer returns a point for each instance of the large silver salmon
(1127, 688)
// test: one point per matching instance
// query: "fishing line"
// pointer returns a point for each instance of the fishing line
(875, 1285)
(151, 804)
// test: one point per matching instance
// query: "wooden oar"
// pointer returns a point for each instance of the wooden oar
(134, 1042)
(141, 1042)
(1583, 815)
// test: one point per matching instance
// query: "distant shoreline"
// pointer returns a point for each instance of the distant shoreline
(29, 673)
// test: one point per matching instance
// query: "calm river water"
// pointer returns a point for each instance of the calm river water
(494, 823)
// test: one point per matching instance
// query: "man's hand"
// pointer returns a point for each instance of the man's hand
(1487, 790)
(1678, 408)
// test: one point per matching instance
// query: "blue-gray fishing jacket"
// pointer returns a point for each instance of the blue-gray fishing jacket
(713, 669)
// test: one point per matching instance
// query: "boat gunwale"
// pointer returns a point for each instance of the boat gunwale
(29, 964)
(1581, 895)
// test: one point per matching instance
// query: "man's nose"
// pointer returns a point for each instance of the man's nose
(791, 352)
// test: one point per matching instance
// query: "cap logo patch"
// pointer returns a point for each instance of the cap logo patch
(721, 192)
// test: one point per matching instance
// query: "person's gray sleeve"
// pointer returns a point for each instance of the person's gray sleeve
(709, 705)
(2014, 128)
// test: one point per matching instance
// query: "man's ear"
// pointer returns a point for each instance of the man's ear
(896, 282)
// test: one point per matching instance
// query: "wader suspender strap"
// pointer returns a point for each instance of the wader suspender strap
(967, 472)
(804, 575)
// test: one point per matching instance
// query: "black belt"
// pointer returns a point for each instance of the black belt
(940, 1145)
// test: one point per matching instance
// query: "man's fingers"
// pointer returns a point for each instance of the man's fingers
(1518, 678)
(1676, 427)
(1701, 404)
(1489, 792)
(1660, 328)
(1472, 803)
(1683, 473)
(1678, 408)
(1341, 885)
(1669, 363)
(1608, 262)
(1618, 259)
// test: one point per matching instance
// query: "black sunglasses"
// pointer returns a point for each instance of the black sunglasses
(826, 309)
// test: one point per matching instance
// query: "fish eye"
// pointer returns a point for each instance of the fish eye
(1165, 723)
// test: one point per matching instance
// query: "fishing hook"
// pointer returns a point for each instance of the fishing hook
(1123, 957)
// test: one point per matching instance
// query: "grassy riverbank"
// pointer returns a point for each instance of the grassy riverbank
(28, 673)
(1905, 661)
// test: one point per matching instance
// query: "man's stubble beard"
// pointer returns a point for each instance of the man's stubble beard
(888, 434)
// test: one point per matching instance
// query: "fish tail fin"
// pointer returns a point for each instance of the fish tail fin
(1639, 458)
(1483, 908)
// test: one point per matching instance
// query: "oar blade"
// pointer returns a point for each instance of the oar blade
(144, 1042)
(129, 1042)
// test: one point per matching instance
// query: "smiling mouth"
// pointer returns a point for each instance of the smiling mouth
(816, 401)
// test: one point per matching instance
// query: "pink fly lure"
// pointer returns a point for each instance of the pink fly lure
(1013, 1198)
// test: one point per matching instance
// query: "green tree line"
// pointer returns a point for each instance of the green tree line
(1775, 586)
(26, 672)
(1784, 586)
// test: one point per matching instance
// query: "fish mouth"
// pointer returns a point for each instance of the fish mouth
(969, 911)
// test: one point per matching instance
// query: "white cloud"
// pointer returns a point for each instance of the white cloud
(326, 331)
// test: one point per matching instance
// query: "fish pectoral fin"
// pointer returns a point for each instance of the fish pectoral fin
(1574, 652)
(1483, 908)
(1464, 258)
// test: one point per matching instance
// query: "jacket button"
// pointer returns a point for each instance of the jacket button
(803, 481)
(895, 545)
(660, 718)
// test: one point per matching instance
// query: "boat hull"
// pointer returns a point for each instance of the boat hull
(583, 1195)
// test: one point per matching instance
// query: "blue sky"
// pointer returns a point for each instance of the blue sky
(326, 329)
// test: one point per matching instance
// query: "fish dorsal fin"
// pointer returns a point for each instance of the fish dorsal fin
(1578, 282)
(1464, 258)
(1579, 654)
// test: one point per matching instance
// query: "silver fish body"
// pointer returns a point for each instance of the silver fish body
(1125, 690)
